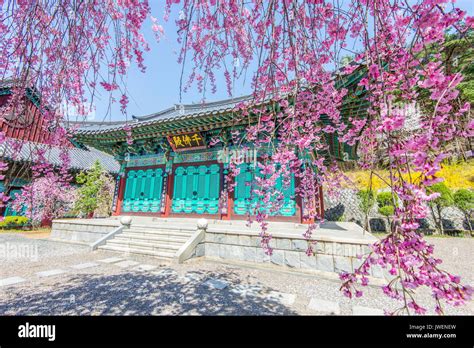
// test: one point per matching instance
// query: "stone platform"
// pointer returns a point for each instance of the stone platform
(337, 244)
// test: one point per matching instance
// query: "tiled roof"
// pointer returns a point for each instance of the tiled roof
(95, 125)
(81, 159)
(194, 109)
(187, 112)
(177, 112)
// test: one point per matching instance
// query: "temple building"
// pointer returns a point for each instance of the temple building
(26, 132)
(170, 166)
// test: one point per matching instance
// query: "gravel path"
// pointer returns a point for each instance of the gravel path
(95, 287)
(457, 255)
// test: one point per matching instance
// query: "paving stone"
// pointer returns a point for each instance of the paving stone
(360, 310)
(247, 290)
(126, 263)
(284, 298)
(11, 281)
(191, 276)
(216, 283)
(324, 306)
(111, 260)
(85, 265)
(166, 272)
(50, 273)
(145, 267)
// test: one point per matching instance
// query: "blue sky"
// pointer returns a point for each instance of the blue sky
(158, 87)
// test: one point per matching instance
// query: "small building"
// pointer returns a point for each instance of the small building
(26, 133)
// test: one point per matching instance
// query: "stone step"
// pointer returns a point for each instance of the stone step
(150, 232)
(153, 237)
(165, 255)
(143, 245)
(166, 236)
(162, 230)
(164, 227)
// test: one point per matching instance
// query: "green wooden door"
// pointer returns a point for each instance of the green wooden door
(143, 189)
(196, 189)
(243, 189)
(245, 200)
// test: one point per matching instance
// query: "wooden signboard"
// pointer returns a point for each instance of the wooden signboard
(187, 141)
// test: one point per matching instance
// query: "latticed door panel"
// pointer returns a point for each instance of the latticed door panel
(138, 193)
(245, 199)
(214, 189)
(130, 187)
(196, 189)
(242, 190)
(143, 191)
(156, 191)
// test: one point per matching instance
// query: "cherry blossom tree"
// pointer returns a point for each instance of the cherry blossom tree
(297, 46)
(70, 49)
(49, 195)
(44, 199)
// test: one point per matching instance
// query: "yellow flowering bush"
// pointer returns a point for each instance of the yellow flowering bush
(456, 176)
(13, 221)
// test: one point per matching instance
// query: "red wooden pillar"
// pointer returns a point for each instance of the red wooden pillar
(169, 194)
(230, 207)
(317, 204)
(118, 207)
(321, 202)
(229, 199)
(304, 209)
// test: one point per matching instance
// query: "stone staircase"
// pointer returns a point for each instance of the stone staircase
(161, 241)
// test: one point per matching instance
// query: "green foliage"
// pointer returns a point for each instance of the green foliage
(95, 191)
(384, 199)
(385, 203)
(446, 197)
(341, 218)
(444, 200)
(458, 56)
(14, 221)
(345, 60)
(387, 210)
(366, 200)
(464, 199)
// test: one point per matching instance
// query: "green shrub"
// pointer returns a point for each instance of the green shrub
(445, 199)
(384, 199)
(14, 221)
(95, 192)
(464, 199)
(386, 206)
(387, 210)
(366, 202)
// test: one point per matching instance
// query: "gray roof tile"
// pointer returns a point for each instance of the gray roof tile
(178, 111)
(81, 159)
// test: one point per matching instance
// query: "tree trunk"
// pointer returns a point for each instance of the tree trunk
(441, 228)
(46, 222)
(435, 219)
(367, 223)
(468, 219)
